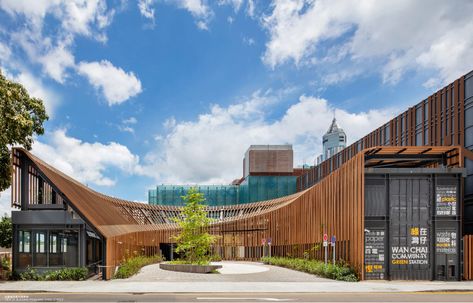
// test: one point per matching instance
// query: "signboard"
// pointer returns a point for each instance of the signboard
(374, 253)
(446, 242)
(269, 241)
(416, 252)
(332, 241)
(325, 240)
(446, 200)
(263, 241)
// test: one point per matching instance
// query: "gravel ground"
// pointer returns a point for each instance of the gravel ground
(231, 272)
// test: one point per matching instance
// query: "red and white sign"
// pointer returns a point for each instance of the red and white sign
(263, 241)
(325, 239)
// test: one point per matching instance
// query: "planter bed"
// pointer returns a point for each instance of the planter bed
(198, 269)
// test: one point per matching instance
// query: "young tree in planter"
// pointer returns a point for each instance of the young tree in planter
(194, 241)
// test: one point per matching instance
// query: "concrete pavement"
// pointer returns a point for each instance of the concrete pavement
(116, 286)
(236, 277)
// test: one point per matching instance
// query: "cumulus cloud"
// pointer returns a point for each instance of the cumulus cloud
(210, 149)
(199, 9)
(116, 85)
(235, 3)
(51, 47)
(5, 202)
(432, 35)
(67, 153)
(146, 9)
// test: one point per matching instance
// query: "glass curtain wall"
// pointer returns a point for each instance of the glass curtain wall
(48, 248)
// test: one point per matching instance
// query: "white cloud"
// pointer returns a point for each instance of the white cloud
(248, 41)
(250, 8)
(67, 154)
(210, 149)
(235, 3)
(199, 9)
(131, 120)
(146, 9)
(5, 202)
(56, 61)
(51, 46)
(5, 52)
(116, 85)
(432, 34)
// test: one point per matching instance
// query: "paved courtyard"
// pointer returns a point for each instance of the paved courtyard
(230, 272)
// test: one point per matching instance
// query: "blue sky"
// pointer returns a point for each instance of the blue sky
(174, 91)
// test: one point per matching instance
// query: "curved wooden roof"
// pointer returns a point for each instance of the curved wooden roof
(112, 216)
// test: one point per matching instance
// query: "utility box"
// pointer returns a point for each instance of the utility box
(413, 224)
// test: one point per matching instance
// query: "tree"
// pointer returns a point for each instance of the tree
(21, 117)
(194, 241)
(6, 232)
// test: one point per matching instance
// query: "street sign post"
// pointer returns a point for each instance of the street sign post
(326, 248)
(333, 247)
(263, 243)
(269, 245)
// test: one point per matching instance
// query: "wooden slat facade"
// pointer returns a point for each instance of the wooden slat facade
(468, 257)
(296, 223)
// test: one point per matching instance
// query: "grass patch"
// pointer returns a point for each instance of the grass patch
(63, 274)
(337, 272)
(133, 265)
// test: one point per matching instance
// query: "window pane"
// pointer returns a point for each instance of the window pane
(419, 138)
(27, 242)
(39, 254)
(419, 115)
(20, 241)
(469, 137)
(469, 117)
(468, 87)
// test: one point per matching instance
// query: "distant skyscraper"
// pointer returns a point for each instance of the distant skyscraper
(334, 141)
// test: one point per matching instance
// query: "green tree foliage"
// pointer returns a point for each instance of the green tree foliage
(6, 232)
(21, 117)
(194, 242)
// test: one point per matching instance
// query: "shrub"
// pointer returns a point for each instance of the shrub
(133, 265)
(63, 274)
(340, 271)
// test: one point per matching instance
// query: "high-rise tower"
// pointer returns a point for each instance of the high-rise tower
(334, 141)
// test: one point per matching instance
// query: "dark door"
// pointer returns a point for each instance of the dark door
(410, 228)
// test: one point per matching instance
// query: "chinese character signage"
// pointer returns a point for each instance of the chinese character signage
(416, 252)
(446, 200)
(374, 253)
(446, 242)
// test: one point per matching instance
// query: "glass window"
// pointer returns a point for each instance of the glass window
(469, 117)
(403, 128)
(426, 136)
(426, 111)
(24, 240)
(469, 137)
(386, 134)
(40, 239)
(419, 138)
(469, 88)
(53, 243)
(418, 115)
